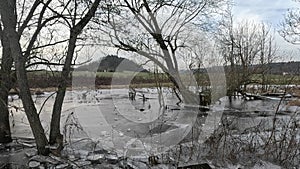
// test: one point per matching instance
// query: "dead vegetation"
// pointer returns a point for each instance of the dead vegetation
(294, 102)
(229, 146)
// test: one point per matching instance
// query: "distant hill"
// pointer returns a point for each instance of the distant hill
(112, 63)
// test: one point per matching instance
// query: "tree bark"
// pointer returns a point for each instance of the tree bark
(5, 86)
(188, 97)
(5, 134)
(57, 107)
(56, 113)
(8, 16)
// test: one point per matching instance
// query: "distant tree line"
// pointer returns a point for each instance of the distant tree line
(276, 68)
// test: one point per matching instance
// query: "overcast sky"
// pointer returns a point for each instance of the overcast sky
(269, 11)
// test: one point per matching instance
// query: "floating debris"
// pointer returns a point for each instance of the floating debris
(198, 166)
(95, 157)
(34, 164)
(31, 152)
(44, 159)
(82, 162)
(113, 159)
(61, 166)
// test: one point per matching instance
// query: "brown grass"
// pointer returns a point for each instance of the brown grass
(294, 102)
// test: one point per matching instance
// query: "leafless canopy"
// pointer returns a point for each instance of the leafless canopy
(244, 45)
(291, 26)
(158, 29)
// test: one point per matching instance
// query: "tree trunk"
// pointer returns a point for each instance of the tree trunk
(5, 86)
(25, 95)
(7, 11)
(56, 113)
(5, 135)
(188, 97)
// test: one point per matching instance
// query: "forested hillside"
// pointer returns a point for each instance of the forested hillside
(112, 63)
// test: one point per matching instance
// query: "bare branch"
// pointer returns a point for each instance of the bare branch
(29, 16)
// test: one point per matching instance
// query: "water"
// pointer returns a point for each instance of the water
(137, 127)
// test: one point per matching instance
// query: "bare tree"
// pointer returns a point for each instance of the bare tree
(23, 20)
(243, 46)
(267, 55)
(45, 16)
(291, 26)
(75, 25)
(160, 31)
(9, 20)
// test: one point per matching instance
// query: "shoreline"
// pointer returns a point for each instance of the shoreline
(40, 90)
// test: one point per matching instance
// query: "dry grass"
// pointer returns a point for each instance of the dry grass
(296, 92)
(294, 102)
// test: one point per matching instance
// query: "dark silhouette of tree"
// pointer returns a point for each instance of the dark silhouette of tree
(5, 86)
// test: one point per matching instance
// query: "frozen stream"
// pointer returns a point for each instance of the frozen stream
(140, 127)
(108, 116)
(100, 111)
